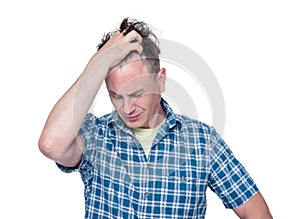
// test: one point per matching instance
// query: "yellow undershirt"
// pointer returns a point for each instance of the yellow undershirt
(146, 137)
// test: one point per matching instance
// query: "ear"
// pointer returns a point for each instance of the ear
(161, 79)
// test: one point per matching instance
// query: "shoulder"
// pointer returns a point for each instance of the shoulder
(94, 126)
(196, 129)
(191, 124)
(92, 119)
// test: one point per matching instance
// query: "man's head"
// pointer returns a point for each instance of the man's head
(136, 83)
(151, 51)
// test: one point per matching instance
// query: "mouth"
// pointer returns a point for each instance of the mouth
(133, 118)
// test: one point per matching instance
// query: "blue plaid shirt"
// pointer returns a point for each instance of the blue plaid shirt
(187, 156)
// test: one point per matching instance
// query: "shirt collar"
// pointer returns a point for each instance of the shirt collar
(172, 119)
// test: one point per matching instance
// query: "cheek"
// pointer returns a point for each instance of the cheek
(148, 102)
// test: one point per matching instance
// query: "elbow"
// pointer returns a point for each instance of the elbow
(46, 146)
(54, 149)
(49, 148)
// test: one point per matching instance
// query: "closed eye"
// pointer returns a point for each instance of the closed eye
(114, 95)
(137, 93)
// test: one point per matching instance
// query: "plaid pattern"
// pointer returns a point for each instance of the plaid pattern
(187, 156)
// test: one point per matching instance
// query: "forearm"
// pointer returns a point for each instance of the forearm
(66, 117)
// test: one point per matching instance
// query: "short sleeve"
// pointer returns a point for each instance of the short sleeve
(228, 179)
(87, 132)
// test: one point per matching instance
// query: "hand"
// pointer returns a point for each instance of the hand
(116, 48)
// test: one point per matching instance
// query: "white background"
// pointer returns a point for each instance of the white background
(251, 46)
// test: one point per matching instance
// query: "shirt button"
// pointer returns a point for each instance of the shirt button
(148, 165)
(146, 194)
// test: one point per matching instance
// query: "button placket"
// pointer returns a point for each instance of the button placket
(147, 180)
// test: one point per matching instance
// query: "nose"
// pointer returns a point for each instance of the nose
(128, 106)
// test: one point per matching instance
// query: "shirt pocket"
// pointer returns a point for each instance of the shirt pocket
(186, 188)
(183, 174)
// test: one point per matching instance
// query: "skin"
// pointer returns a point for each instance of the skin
(254, 208)
(59, 139)
(135, 94)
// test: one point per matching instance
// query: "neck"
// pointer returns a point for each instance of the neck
(156, 119)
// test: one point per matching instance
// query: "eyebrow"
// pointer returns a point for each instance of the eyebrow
(137, 92)
(113, 93)
(130, 94)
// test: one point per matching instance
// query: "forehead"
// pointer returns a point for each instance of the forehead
(125, 73)
(134, 74)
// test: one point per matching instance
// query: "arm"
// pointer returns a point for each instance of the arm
(59, 139)
(255, 208)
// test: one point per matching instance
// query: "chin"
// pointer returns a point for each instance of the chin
(136, 124)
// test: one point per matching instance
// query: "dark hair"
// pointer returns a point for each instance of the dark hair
(151, 51)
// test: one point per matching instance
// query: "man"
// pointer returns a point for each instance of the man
(142, 160)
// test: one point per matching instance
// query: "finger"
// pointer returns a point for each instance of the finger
(136, 46)
(134, 36)
(127, 47)
(118, 33)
